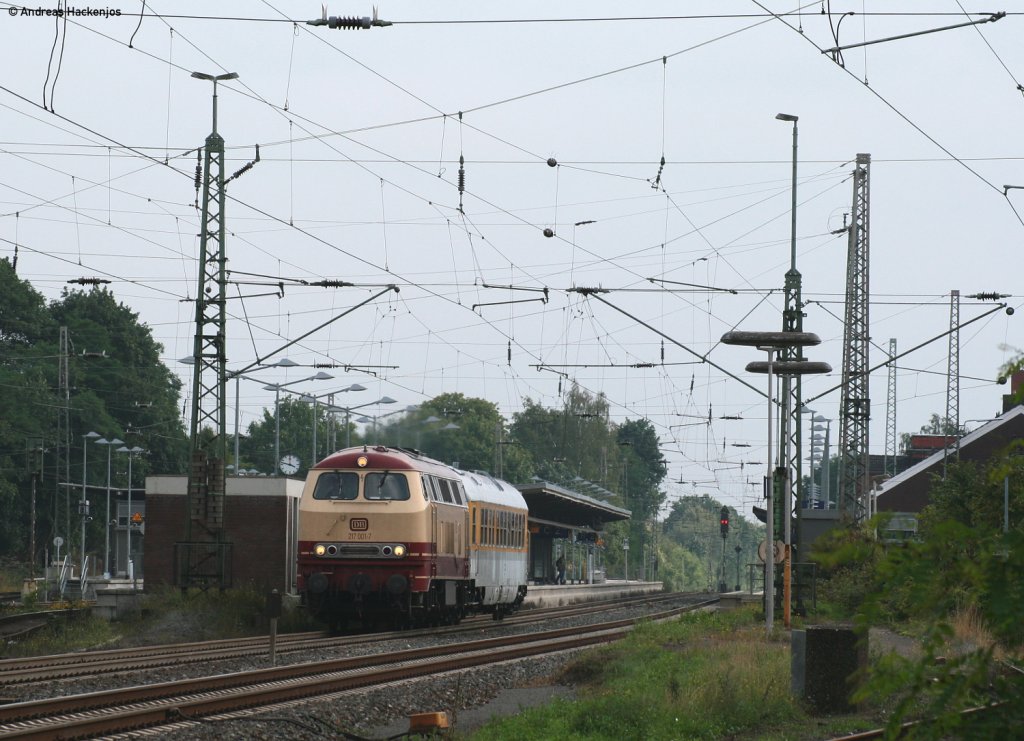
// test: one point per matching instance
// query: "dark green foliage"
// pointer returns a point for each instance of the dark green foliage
(117, 387)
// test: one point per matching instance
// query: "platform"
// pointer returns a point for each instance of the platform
(559, 595)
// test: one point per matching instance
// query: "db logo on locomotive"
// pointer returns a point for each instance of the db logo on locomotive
(358, 523)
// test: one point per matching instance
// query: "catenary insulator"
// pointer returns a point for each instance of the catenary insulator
(337, 21)
(462, 174)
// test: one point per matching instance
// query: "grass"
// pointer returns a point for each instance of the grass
(165, 616)
(705, 676)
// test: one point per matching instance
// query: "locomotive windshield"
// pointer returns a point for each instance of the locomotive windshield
(386, 485)
(336, 485)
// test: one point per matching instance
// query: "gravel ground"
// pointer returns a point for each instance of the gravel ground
(470, 696)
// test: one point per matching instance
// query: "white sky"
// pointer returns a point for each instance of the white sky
(377, 203)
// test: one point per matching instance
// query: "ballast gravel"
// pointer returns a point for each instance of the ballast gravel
(470, 696)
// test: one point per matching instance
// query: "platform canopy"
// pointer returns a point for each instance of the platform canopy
(556, 505)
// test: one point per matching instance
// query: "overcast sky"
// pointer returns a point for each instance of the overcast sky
(360, 138)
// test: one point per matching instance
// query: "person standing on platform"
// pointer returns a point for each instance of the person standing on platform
(560, 573)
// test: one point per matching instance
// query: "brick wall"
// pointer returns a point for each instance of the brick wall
(260, 526)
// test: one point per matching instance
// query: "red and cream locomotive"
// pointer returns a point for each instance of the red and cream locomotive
(389, 535)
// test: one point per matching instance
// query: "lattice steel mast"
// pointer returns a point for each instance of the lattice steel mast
(855, 403)
(202, 560)
(953, 378)
(890, 413)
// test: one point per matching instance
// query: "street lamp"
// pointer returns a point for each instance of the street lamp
(773, 343)
(282, 363)
(132, 452)
(792, 246)
(348, 412)
(83, 503)
(374, 417)
(106, 528)
(314, 398)
(215, 79)
(276, 388)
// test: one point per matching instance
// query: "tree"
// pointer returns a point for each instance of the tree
(120, 384)
(117, 387)
(28, 372)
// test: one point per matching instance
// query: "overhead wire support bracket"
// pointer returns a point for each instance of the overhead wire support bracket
(374, 297)
(704, 358)
(245, 168)
(354, 24)
(733, 291)
(838, 49)
(915, 348)
(543, 290)
(516, 301)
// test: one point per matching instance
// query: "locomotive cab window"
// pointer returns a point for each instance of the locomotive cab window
(446, 492)
(336, 486)
(387, 485)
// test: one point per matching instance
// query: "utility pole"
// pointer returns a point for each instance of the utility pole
(890, 413)
(953, 379)
(205, 554)
(63, 436)
(855, 402)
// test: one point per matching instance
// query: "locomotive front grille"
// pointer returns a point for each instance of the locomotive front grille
(359, 550)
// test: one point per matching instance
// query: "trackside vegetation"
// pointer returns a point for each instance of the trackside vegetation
(707, 675)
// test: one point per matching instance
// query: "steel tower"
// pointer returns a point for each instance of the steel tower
(855, 403)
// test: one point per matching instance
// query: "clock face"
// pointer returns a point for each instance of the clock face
(289, 464)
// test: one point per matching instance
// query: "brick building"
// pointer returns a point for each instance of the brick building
(260, 522)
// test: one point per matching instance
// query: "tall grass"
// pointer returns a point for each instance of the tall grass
(707, 675)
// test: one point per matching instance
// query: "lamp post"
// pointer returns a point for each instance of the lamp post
(825, 473)
(83, 503)
(132, 452)
(314, 398)
(348, 413)
(774, 343)
(215, 79)
(374, 417)
(106, 526)
(276, 388)
(282, 363)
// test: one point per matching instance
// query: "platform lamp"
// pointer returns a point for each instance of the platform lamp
(106, 528)
(132, 452)
(83, 503)
(276, 388)
(314, 400)
(774, 343)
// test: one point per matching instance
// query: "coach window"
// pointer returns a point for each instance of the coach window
(446, 493)
(386, 485)
(336, 486)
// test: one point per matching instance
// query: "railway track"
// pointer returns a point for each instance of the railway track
(80, 664)
(99, 713)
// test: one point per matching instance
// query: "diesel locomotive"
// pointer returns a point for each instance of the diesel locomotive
(389, 536)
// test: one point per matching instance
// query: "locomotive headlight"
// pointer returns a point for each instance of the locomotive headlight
(320, 549)
(399, 550)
